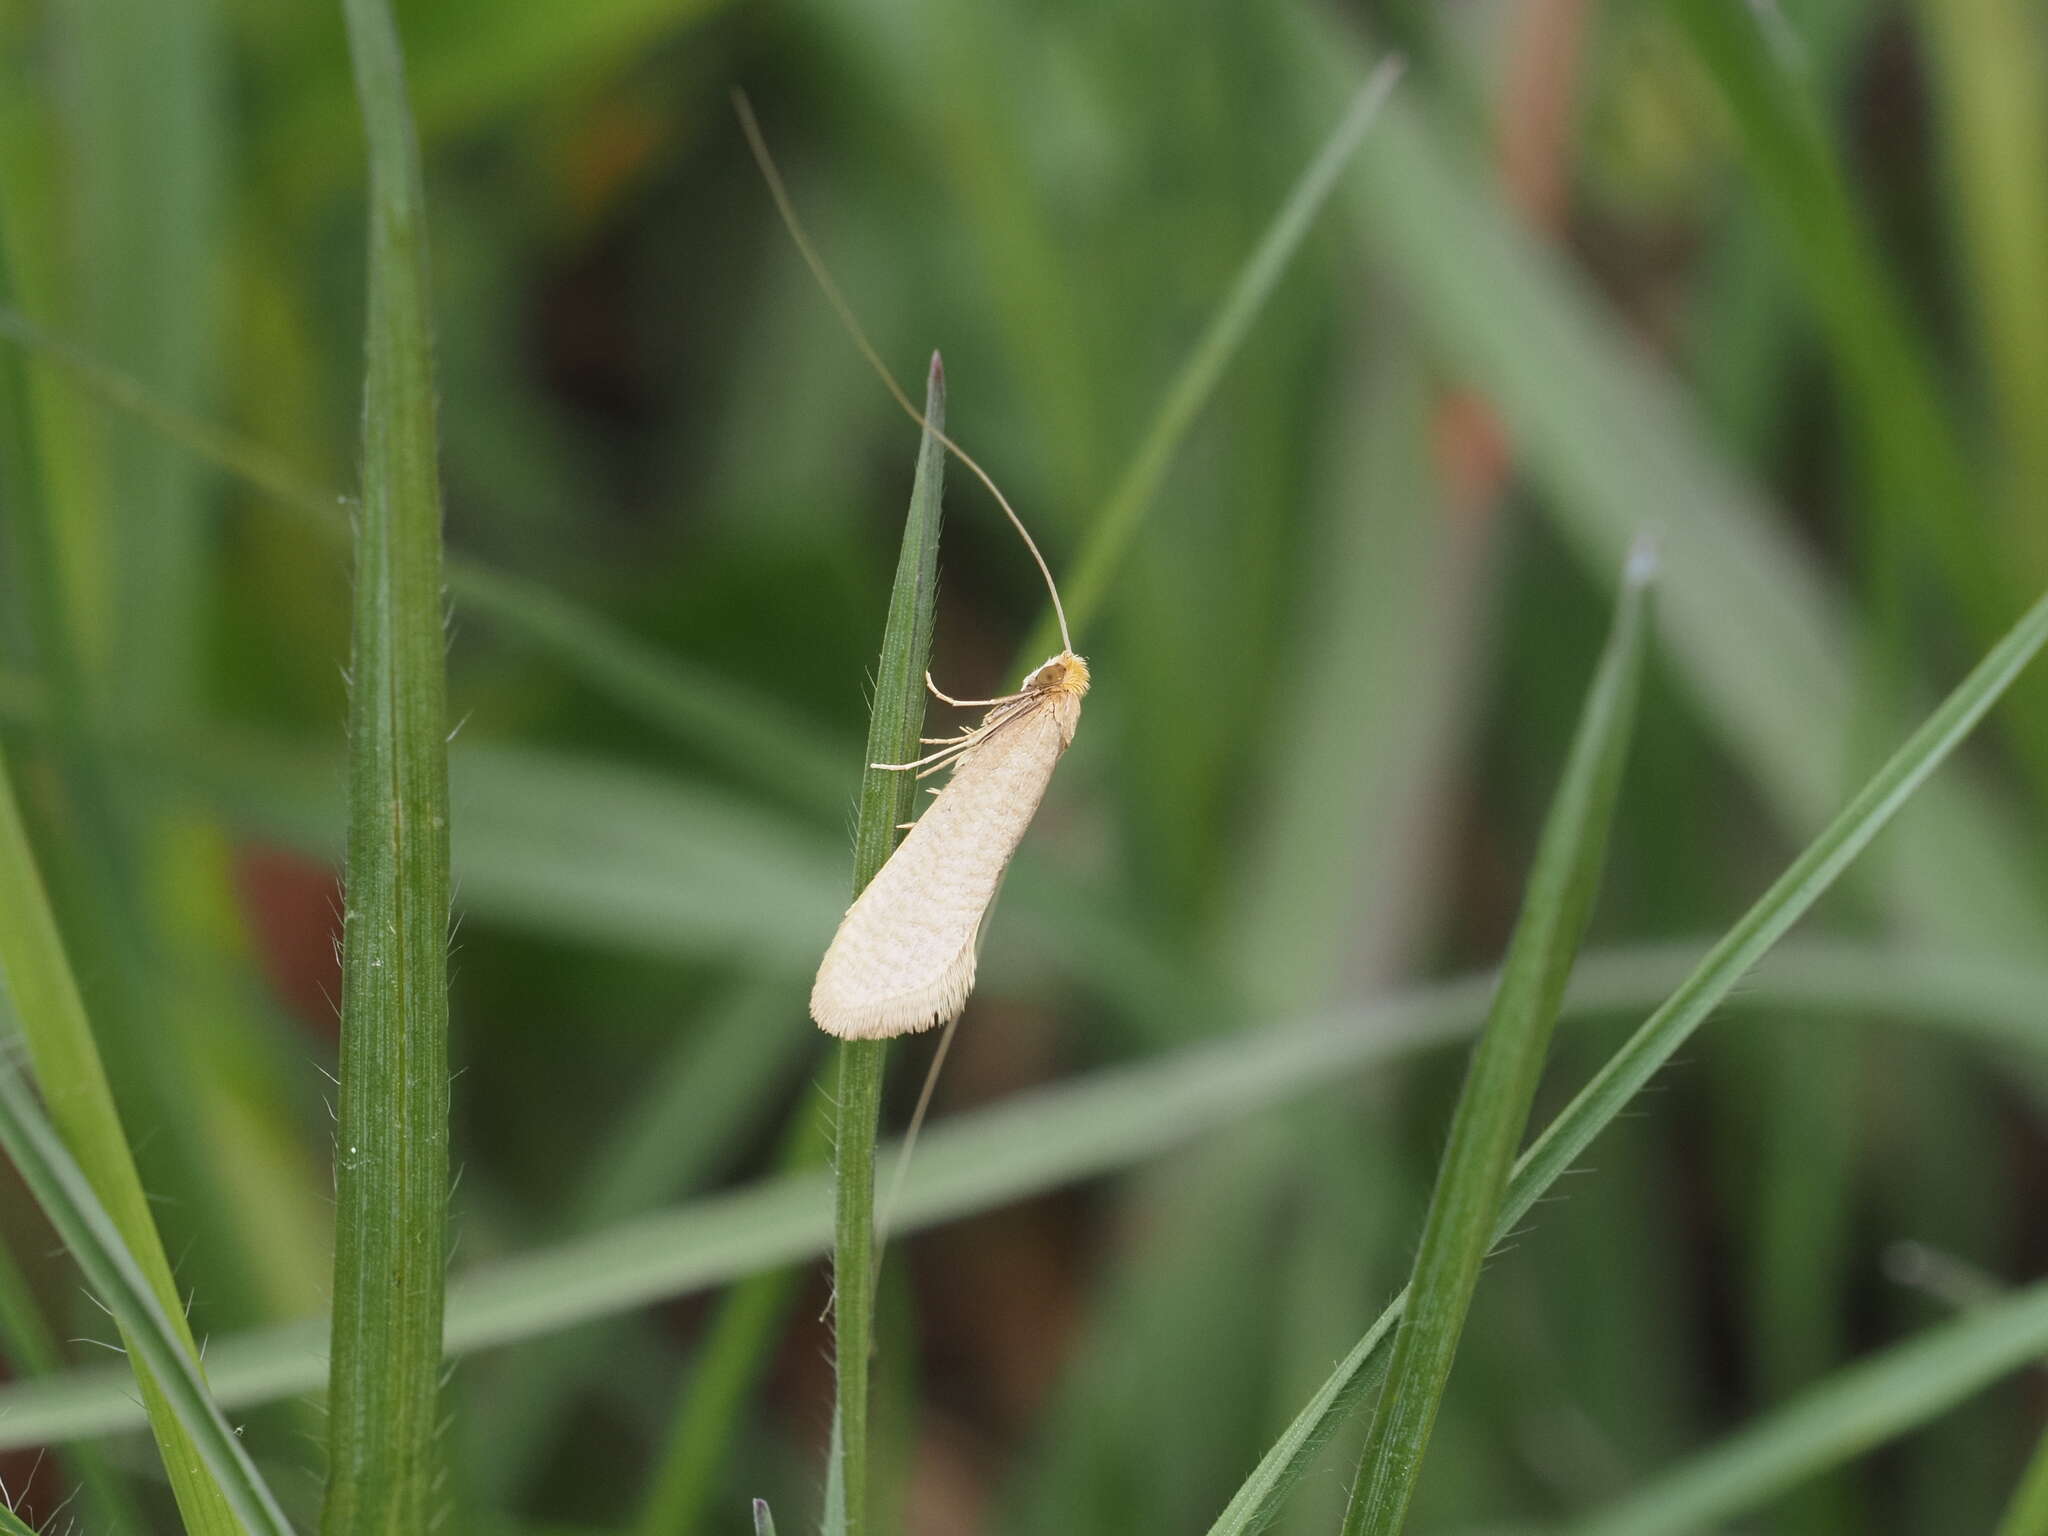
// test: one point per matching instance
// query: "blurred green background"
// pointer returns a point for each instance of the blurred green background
(1769, 282)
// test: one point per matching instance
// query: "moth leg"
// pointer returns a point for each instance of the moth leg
(967, 741)
(947, 698)
(933, 760)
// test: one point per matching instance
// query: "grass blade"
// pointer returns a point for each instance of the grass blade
(1919, 476)
(2027, 1515)
(1117, 525)
(67, 1066)
(153, 1333)
(764, 1521)
(886, 800)
(1042, 1140)
(1788, 899)
(735, 1352)
(391, 1187)
(727, 722)
(1756, 633)
(1855, 1410)
(1500, 1085)
(30, 1348)
(1989, 66)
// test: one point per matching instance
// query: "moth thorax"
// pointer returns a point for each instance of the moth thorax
(1064, 673)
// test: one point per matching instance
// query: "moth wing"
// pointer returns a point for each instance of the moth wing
(903, 959)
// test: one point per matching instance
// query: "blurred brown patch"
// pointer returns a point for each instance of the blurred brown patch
(292, 905)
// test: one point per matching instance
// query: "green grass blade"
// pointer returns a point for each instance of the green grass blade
(886, 800)
(2027, 1515)
(1789, 898)
(147, 117)
(730, 723)
(735, 1353)
(1552, 1154)
(1757, 635)
(726, 721)
(1852, 1412)
(12, 1524)
(764, 1521)
(1500, 1085)
(391, 1186)
(154, 1334)
(69, 1071)
(696, 1106)
(1044, 1139)
(604, 854)
(699, 1103)
(1919, 476)
(31, 1350)
(1113, 530)
(1989, 66)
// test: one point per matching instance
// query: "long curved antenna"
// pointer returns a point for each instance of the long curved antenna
(787, 209)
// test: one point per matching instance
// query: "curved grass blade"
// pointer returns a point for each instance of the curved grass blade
(1500, 1085)
(886, 801)
(2027, 1515)
(1546, 1161)
(1919, 475)
(29, 1348)
(1988, 66)
(391, 1182)
(730, 1362)
(1853, 1411)
(1113, 530)
(1758, 636)
(729, 723)
(67, 1065)
(155, 1336)
(1041, 1140)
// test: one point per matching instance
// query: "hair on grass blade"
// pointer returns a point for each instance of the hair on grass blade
(903, 959)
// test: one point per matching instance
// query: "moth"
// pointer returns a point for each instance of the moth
(903, 958)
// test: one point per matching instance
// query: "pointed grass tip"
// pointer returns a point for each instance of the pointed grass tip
(938, 373)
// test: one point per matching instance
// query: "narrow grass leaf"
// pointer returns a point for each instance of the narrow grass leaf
(1113, 530)
(2027, 1514)
(729, 723)
(68, 1069)
(1500, 1085)
(730, 1362)
(1754, 630)
(1897, 412)
(30, 1349)
(12, 1524)
(1789, 898)
(1988, 67)
(391, 1185)
(764, 1521)
(886, 801)
(599, 853)
(1044, 1139)
(1854, 1411)
(153, 1333)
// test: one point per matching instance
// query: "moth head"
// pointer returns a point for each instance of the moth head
(1065, 673)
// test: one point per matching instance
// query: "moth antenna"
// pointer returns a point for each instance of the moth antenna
(787, 209)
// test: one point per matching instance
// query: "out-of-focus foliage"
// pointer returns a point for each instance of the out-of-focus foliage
(1766, 281)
